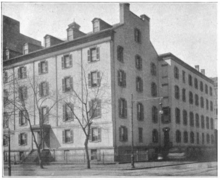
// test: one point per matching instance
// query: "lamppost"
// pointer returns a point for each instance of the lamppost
(132, 126)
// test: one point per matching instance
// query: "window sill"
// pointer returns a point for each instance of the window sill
(43, 73)
(68, 142)
(69, 120)
(66, 67)
(94, 60)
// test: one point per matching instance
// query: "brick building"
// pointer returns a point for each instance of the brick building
(123, 55)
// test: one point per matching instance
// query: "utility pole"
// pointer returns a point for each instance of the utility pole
(132, 135)
(9, 153)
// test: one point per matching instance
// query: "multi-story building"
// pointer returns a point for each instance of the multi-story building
(121, 61)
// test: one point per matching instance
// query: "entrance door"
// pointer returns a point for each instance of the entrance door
(166, 138)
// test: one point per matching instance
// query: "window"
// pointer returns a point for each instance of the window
(22, 138)
(176, 72)
(138, 62)
(201, 102)
(197, 138)
(93, 54)
(207, 138)
(212, 139)
(154, 114)
(94, 79)
(120, 54)
(207, 104)
(95, 135)
(25, 48)
(207, 122)
(201, 86)
(211, 106)
(177, 93)
(94, 154)
(140, 111)
(184, 95)
(44, 89)
(137, 35)
(196, 100)
(122, 105)
(67, 136)
(23, 116)
(22, 72)
(206, 89)
(155, 136)
(212, 123)
(123, 134)
(68, 112)
(45, 114)
(197, 120)
(153, 69)
(196, 83)
(190, 80)
(203, 138)
(6, 96)
(67, 61)
(177, 114)
(5, 77)
(140, 135)
(153, 89)
(185, 134)
(5, 120)
(5, 140)
(121, 78)
(178, 136)
(192, 137)
(190, 97)
(96, 26)
(166, 115)
(202, 122)
(67, 84)
(47, 41)
(139, 84)
(184, 78)
(70, 34)
(210, 91)
(95, 108)
(22, 93)
(42, 67)
(191, 119)
(185, 117)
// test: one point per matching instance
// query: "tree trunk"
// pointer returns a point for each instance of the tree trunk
(87, 152)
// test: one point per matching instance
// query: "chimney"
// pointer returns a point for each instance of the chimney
(124, 9)
(203, 71)
(144, 17)
(197, 67)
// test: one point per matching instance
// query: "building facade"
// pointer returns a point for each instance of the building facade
(134, 82)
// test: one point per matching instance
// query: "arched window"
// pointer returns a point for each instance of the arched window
(190, 80)
(153, 89)
(185, 117)
(212, 125)
(196, 83)
(177, 113)
(197, 120)
(196, 100)
(138, 62)
(176, 72)
(210, 91)
(201, 102)
(201, 86)
(207, 122)
(139, 84)
(191, 137)
(177, 93)
(202, 122)
(185, 136)
(212, 139)
(184, 95)
(153, 69)
(197, 138)
(190, 97)
(155, 136)
(178, 136)
(203, 138)
(191, 119)
(207, 138)
(154, 114)
(140, 111)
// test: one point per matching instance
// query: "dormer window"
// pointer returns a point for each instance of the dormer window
(25, 48)
(96, 26)
(47, 41)
(70, 34)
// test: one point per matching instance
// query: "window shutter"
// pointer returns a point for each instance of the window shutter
(19, 139)
(125, 108)
(119, 78)
(40, 90)
(72, 111)
(71, 135)
(46, 64)
(90, 109)
(25, 135)
(137, 84)
(99, 134)
(120, 133)
(19, 73)
(62, 59)
(126, 133)
(64, 138)
(119, 108)
(39, 68)
(47, 116)
(63, 84)
(64, 112)
(99, 108)
(97, 53)
(71, 83)
(20, 114)
(124, 79)
(25, 72)
(71, 63)
(47, 90)
(89, 57)
(89, 80)
(99, 78)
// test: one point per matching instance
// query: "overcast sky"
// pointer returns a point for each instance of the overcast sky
(188, 30)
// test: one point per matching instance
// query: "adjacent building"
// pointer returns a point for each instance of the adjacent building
(136, 84)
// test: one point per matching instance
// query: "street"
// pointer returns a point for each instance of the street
(112, 170)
